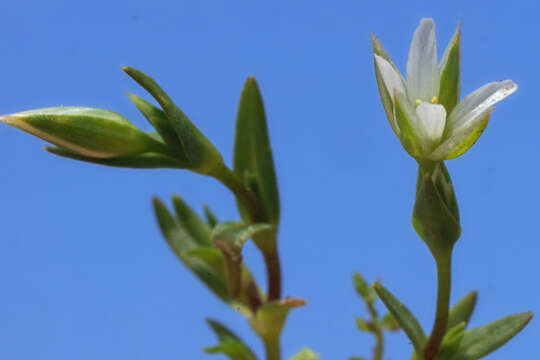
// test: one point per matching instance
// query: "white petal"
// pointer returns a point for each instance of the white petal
(432, 120)
(478, 101)
(460, 140)
(392, 79)
(423, 78)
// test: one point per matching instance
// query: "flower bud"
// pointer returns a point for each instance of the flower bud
(91, 132)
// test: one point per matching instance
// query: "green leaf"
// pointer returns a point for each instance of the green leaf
(435, 209)
(270, 317)
(203, 156)
(451, 341)
(96, 133)
(157, 118)
(192, 223)
(403, 316)
(462, 310)
(252, 151)
(211, 218)
(230, 344)
(363, 289)
(364, 325)
(480, 341)
(389, 322)
(141, 161)
(233, 234)
(181, 243)
(230, 237)
(305, 354)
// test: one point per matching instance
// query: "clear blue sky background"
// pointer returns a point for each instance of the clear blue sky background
(84, 271)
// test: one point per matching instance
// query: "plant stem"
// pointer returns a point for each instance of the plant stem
(267, 244)
(377, 331)
(272, 348)
(443, 304)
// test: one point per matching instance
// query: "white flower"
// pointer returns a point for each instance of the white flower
(423, 110)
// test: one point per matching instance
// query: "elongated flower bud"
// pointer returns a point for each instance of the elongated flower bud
(91, 132)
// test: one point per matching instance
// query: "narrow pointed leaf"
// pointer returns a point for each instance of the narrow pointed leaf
(480, 341)
(450, 73)
(211, 218)
(202, 154)
(305, 354)
(462, 310)
(450, 343)
(157, 118)
(192, 223)
(403, 316)
(252, 151)
(230, 344)
(181, 243)
(96, 133)
(141, 161)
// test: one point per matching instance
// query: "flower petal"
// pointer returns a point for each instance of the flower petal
(461, 139)
(422, 69)
(391, 77)
(432, 119)
(479, 101)
(388, 79)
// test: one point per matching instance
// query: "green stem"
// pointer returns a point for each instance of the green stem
(267, 246)
(272, 348)
(377, 331)
(443, 304)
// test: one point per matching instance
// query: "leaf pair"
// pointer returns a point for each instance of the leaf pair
(458, 343)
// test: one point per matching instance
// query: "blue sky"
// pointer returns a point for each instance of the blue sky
(84, 271)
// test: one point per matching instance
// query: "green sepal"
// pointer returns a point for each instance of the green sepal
(450, 73)
(202, 154)
(192, 223)
(386, 97)
(403, 316)
(480, 341)
(363, 289)
(157, 118)
(140, 161)
(356, 358)
(466, 137)
(462, 310)
(229, 237)
(211, 218)
(229, 343)
(451, 341)
(305, 354)
(182, 243)
(404, 113)
(435, 216)
(253, 154)
(270, 317)
(91, 132)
